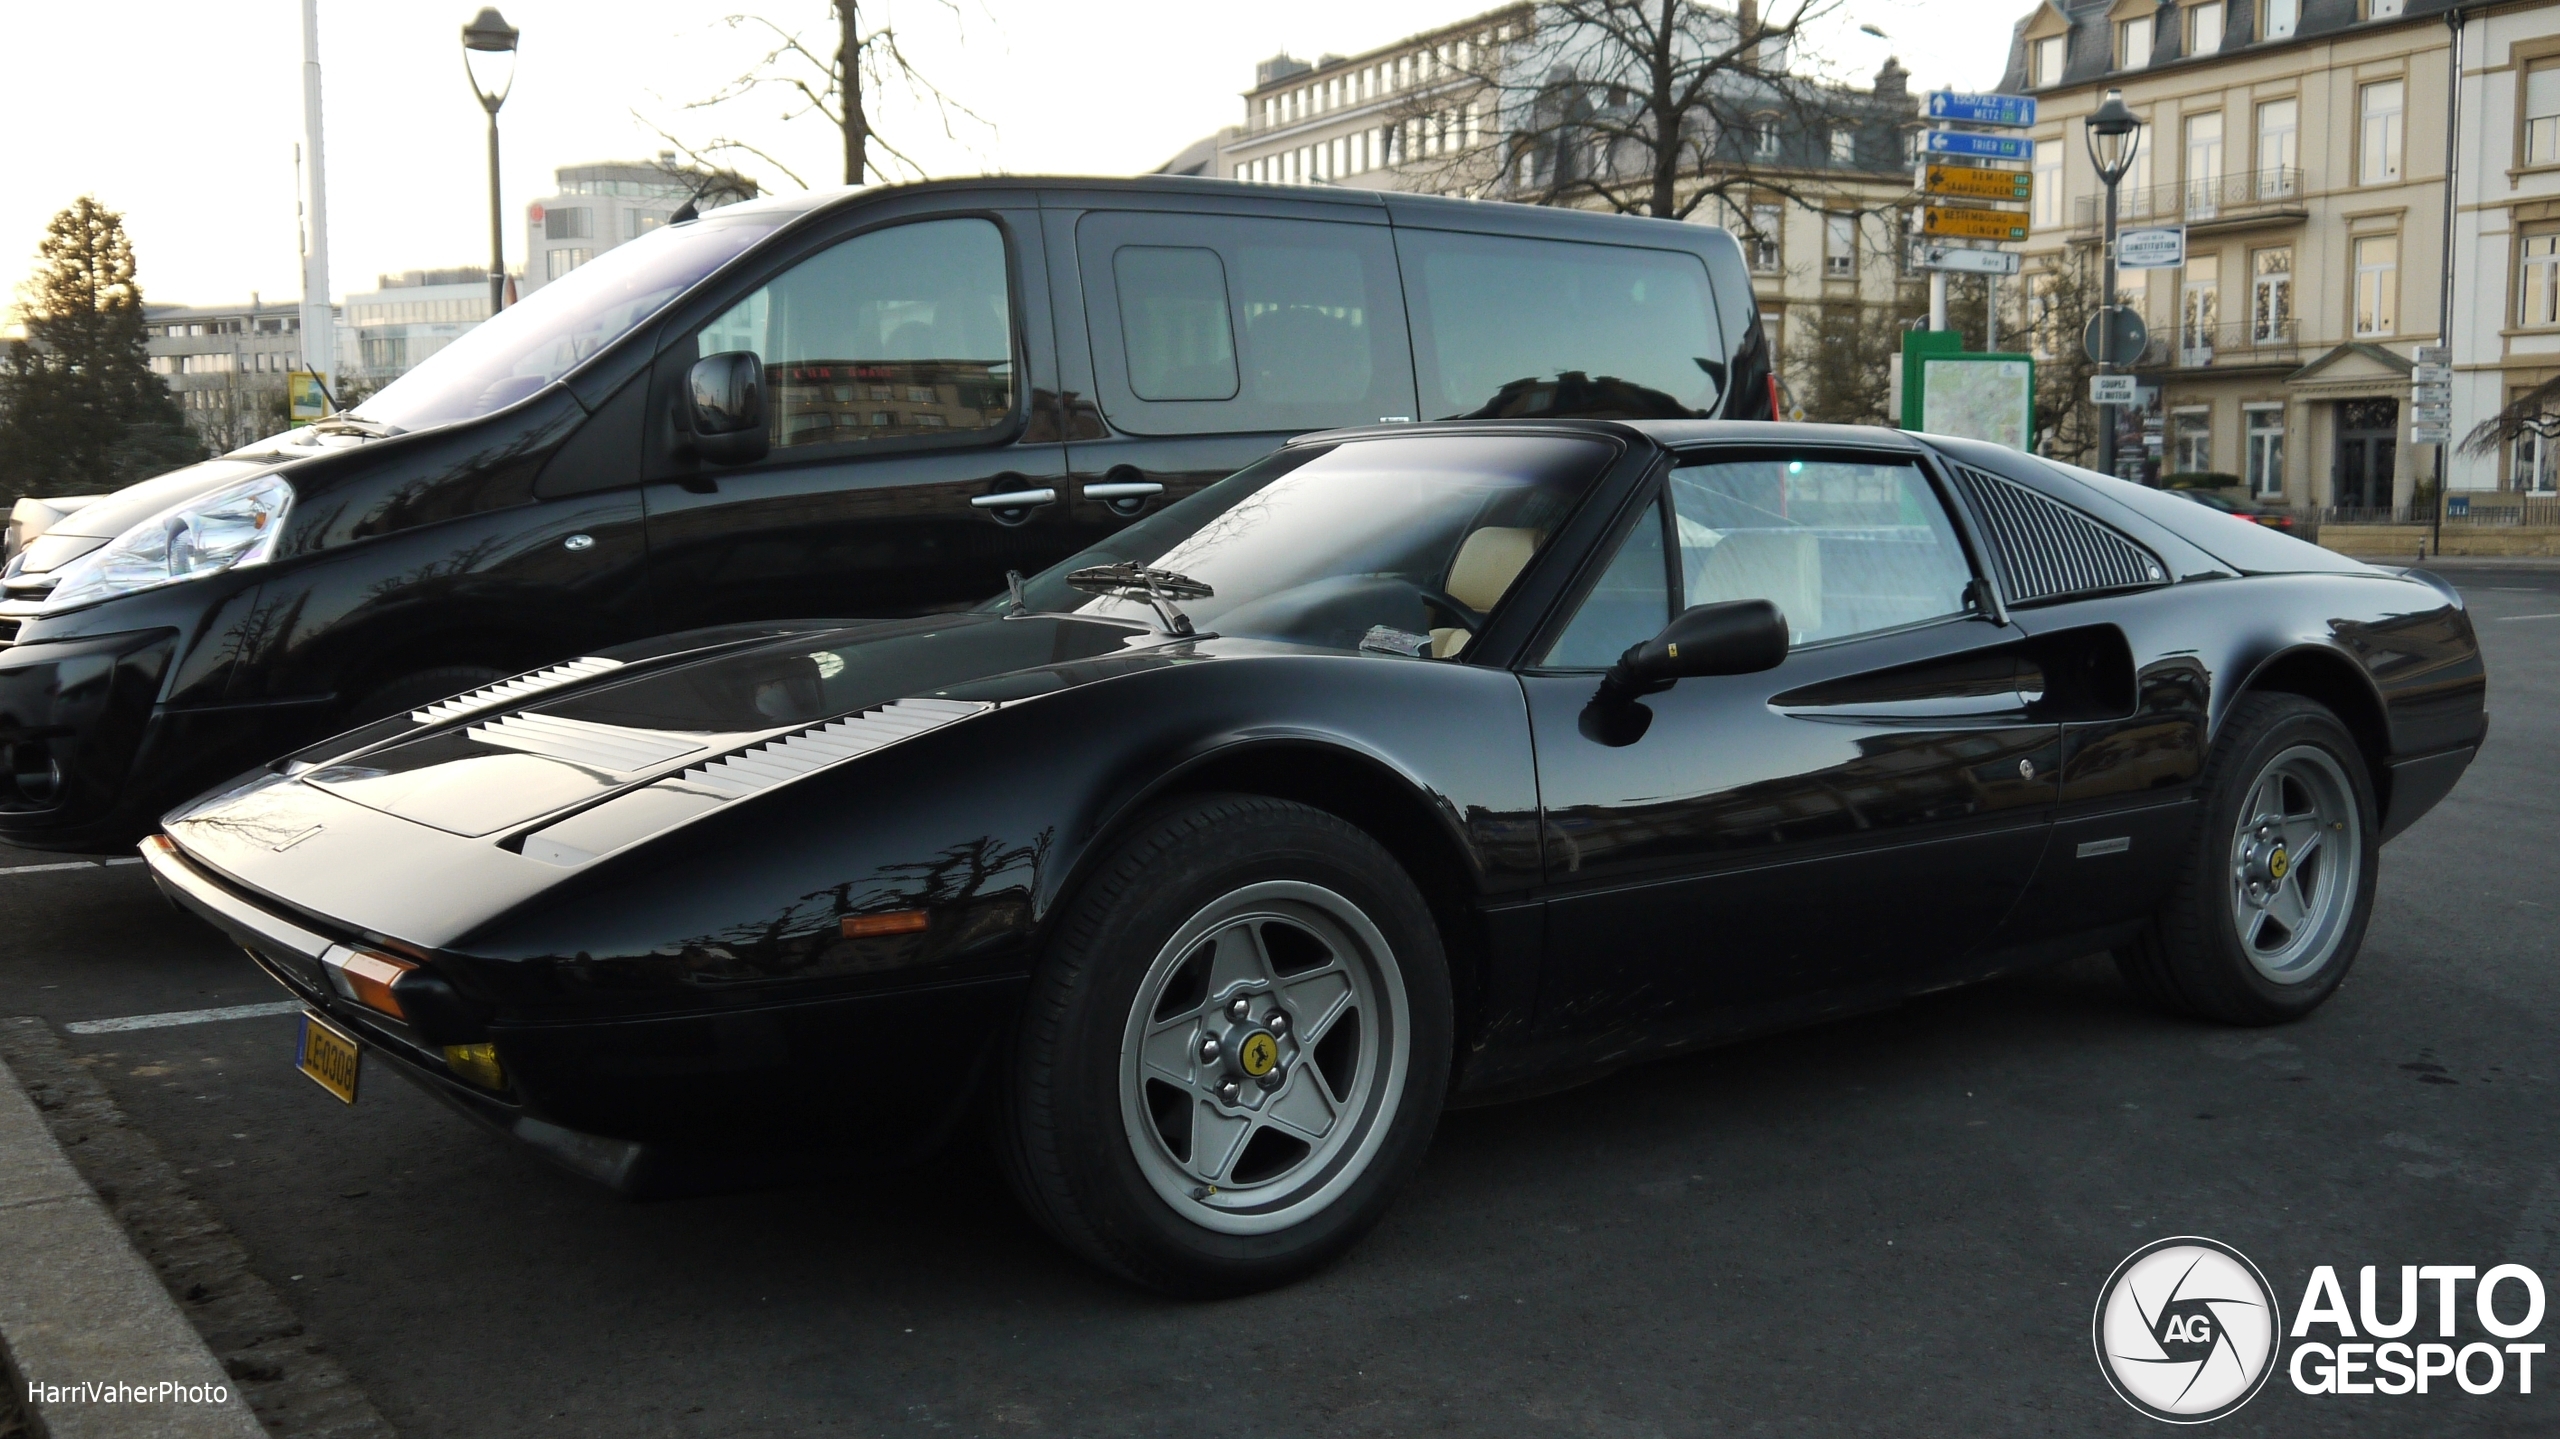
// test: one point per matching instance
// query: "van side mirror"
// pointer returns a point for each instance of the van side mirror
(724, 402)
(1734, 637)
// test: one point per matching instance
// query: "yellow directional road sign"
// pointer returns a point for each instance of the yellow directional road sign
(1964, 224)
(1968, 183)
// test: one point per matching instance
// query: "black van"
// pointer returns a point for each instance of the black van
(862, 403)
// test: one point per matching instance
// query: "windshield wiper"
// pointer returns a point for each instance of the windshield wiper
(1159, 588)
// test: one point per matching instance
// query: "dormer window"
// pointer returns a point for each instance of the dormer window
(2047, 60)
(2282, 17)
(2204, 28)
(2133, 43)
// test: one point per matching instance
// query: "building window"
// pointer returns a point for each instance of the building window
(1844, 145)
(2200, 310)
(2265, 462)
(2191, 441)
(1767, 222)
(2271, 295)
(2133, 43)
(2536, 466)
(556, 263)
(2378, 157)
(2377, 285)
(2281, 16)
(2542, 114)
(2048, 182)
(2049, 56)
(1839, 247)
(2385, 9)
(2538, 286)
(1764, 135)
(2204, 28)
(2279, 148)
(2204, 165)
(569, 222)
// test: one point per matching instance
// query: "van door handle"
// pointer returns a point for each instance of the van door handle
(1124, 490)
(1015, 500)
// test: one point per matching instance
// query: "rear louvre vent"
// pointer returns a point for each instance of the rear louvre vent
(761, 767)
(2046, 550)
(507, 692)
(584, 743)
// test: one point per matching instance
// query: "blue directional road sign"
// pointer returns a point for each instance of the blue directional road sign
(1981, 147)
(2018, 111)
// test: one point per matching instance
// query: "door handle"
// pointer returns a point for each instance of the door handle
(1126, 490)
(1015, 500)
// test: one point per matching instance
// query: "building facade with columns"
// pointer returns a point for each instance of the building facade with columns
(2302, 145)
(2506, 244)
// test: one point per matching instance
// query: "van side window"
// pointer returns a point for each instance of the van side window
(901, 332)
(1173, 323)
(1509, 328)
(1214, 324)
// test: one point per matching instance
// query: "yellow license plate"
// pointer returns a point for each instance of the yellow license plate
(329, 1055)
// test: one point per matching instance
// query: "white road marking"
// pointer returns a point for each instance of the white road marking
(182, 1016)
(2530, 617)
(69, 864)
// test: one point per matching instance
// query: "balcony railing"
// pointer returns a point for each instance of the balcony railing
(2244, 342)
(2249, 193)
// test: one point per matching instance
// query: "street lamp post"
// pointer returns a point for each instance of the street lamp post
(489, 56)
(2113, 137)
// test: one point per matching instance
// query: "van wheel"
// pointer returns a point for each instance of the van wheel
(423, 688)
(1234, 1051)
(2271, 907)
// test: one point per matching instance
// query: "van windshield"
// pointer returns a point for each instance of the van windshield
(560, 325)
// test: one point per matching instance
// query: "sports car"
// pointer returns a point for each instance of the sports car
(1411, 765)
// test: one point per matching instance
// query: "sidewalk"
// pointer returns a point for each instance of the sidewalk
(80, 1308)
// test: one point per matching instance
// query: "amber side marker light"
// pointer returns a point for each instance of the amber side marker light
(872, 926)
(367, 977)
(477, 1063)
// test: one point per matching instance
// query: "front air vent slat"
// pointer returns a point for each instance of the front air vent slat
(760, 767)
(2044, 550)
(508, 692)
(582, 742)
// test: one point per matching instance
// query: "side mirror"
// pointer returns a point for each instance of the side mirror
(1735, 637)
(724, 402)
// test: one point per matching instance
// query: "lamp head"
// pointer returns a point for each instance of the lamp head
(489, 53)
(2114, 135)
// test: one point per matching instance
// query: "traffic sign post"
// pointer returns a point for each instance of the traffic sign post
(1957, 259)
(2016, 112)
(1973, 182)
(1970, 224)
(2162, 247)
(1978, 147)
(2121, 347)
(2114, 389)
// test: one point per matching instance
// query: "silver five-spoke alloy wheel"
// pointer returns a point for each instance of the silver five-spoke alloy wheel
(2296, 855)
(1264, 1057)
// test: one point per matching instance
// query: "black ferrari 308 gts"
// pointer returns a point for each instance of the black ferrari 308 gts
(1410, 765)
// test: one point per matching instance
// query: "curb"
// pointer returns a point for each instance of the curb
(79, 1306)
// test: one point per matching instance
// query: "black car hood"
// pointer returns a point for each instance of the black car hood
(478, 772)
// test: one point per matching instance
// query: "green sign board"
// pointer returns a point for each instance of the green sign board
(1946, 391)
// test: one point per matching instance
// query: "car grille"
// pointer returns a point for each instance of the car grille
(2047, 550)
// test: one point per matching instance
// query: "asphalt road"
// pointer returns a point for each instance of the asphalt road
(1896, 1225)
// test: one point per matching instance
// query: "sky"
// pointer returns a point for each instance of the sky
(185, 115)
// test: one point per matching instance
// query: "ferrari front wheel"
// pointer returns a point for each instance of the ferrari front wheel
(1235, 1051)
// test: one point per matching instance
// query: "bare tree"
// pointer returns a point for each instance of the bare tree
(841, 76)
(2536, 412)
(2055, 306)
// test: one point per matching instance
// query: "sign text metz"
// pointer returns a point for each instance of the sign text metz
(2018, 111)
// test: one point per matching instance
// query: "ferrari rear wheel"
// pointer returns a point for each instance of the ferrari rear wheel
(2271, 906)
(1235, 1051)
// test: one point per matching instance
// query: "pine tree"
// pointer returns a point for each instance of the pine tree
(80, 410)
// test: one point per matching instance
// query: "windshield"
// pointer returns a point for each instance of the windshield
(559, 326)
(1400, 545)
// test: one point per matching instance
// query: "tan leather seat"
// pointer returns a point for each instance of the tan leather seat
(1781, 566)
(1487, 563)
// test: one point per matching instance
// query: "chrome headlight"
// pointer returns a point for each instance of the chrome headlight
(233, 526)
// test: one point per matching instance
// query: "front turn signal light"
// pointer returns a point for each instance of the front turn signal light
(871, 926)
(477, 1063)
(366, 977)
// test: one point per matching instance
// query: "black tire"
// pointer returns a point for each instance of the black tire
(423, 688)
(2192, 958)
(1068, 1132)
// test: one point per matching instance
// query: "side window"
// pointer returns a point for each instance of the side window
(1630, 604)
(901, 332)
(1173, 323)
(1842, 546)
(1210, 324)
(1507, 327)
